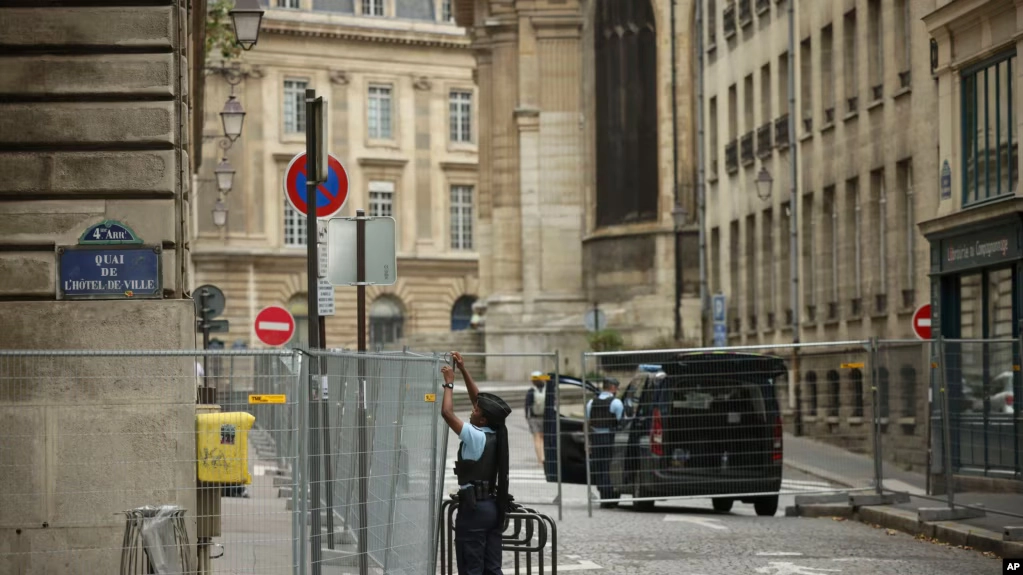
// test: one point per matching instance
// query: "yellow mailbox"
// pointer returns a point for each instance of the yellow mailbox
(222, 447)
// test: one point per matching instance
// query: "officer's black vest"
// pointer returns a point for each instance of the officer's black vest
(600, 414)
(484, 469)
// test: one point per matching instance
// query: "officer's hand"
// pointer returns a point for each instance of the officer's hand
(457, 359)
(448, 373)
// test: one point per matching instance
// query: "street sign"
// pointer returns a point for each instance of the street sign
(275, 325)
(720, 335)
(331, 195)
(325, 299)
(595, 320)
(922, 321)
(109, 232)
(215, 301)
(109, 272)
(379, 250)
(719, 308)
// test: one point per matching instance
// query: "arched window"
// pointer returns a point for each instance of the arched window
(298, 305)
(386, 321)
(857, 379)
(811, 391)
(461, 312)
(625, 46)
(908, 387)
(835, 391)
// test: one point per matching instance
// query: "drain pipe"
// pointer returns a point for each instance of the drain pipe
(674, 180)
(701, 176)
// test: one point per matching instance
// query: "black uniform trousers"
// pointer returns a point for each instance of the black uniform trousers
(478, 539)
(601, 450)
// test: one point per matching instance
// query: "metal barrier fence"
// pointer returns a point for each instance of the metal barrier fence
(94, 441)
(763, 424)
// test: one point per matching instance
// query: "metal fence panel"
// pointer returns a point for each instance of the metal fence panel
(89, 436)
(752, 424)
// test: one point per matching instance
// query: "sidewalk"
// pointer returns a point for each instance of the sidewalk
(857, 471)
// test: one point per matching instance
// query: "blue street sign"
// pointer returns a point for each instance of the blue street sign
(109, 272)
(109, 232)
(720, 335)
(719, 308)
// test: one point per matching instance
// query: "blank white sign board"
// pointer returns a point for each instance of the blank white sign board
(381, 258)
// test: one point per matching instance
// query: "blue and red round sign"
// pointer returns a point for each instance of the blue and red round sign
(330, 195)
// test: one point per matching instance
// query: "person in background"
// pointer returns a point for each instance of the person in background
(535, 401)
(604, 413)
(482, 471)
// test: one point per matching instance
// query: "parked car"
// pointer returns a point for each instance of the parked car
(710, 427)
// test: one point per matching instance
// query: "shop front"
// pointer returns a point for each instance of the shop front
(975, 307)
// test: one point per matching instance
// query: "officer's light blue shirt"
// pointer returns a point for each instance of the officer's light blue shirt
(617, 409)
(474, 439)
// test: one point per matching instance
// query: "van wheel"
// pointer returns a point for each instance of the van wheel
(722, 505)
(766, 506)
(644, 506)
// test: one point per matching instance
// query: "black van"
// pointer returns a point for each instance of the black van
(710, 427)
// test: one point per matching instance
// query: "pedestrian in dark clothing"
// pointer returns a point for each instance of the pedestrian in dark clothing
(535, 402)
(482, 471)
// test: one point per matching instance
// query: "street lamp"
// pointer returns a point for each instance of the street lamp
(679, 214)
(225, 175)
(764, 183)
(232, 117)
(220, 213)
(246, 17)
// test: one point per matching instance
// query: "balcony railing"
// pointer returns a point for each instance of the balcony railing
(728, 21)
(763, 6)
(746, 149)
(764, 140)
(781, 131)
(732, 156)
(745, 13)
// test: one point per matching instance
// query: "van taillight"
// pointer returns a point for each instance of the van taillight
(657, 434)
(1008, 400)
(776, 452)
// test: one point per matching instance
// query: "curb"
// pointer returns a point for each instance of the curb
(820, 474)
(907, 521)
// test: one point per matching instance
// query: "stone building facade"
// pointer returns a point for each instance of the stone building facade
(96, 109)
(578, 175)
(398, 80)
(866, 175)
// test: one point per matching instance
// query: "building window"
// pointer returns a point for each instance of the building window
(446, 15)
(626, 92)
(908, 388)
(372, 7)
(460, 105)
(461, 217)
(878, 215)
(827, 57)
(835, 391)
(379, 113)
(783, 84)
(875, 49)
(768, 265)
(853, 237)
(904, 216)
(857, 379)
(712, 148)
(849, 47)
(830, 233)
(386, 321)
(765, 93)
(806, 84)
(715, 259)
(751, 270)
(293, 4)
(294, 106)
(903, 43)
(733, 276)
(381, 199)
(883, 395)
(294, 226)
(809, 257)
(989, 141)
(461, 312)
(786, 261)
(811, 392)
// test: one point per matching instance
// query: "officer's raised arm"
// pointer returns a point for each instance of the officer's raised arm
(447, 407)
(470, 385)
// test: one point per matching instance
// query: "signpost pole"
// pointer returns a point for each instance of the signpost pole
(360, 278)
(327, 479)
(312, 261)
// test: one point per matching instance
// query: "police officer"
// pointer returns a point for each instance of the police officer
(604, 413)
(482, 471)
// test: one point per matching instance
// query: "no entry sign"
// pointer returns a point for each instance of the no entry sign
(922, 321)
(274, 325)
(330, 195)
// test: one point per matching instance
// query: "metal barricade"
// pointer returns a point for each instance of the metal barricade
(531, 531)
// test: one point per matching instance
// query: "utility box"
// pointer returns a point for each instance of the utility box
(222, 447)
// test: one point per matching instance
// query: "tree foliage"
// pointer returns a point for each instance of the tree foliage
(605, 340)
(220, 42)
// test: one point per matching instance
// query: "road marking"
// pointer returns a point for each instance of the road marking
(776, 568)
(778, 554)
(701, 521)
(274, 325)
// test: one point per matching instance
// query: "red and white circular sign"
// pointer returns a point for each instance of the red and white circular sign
(922, 321)
(274, 325)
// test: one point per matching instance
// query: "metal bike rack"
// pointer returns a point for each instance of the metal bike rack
(524, 523)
